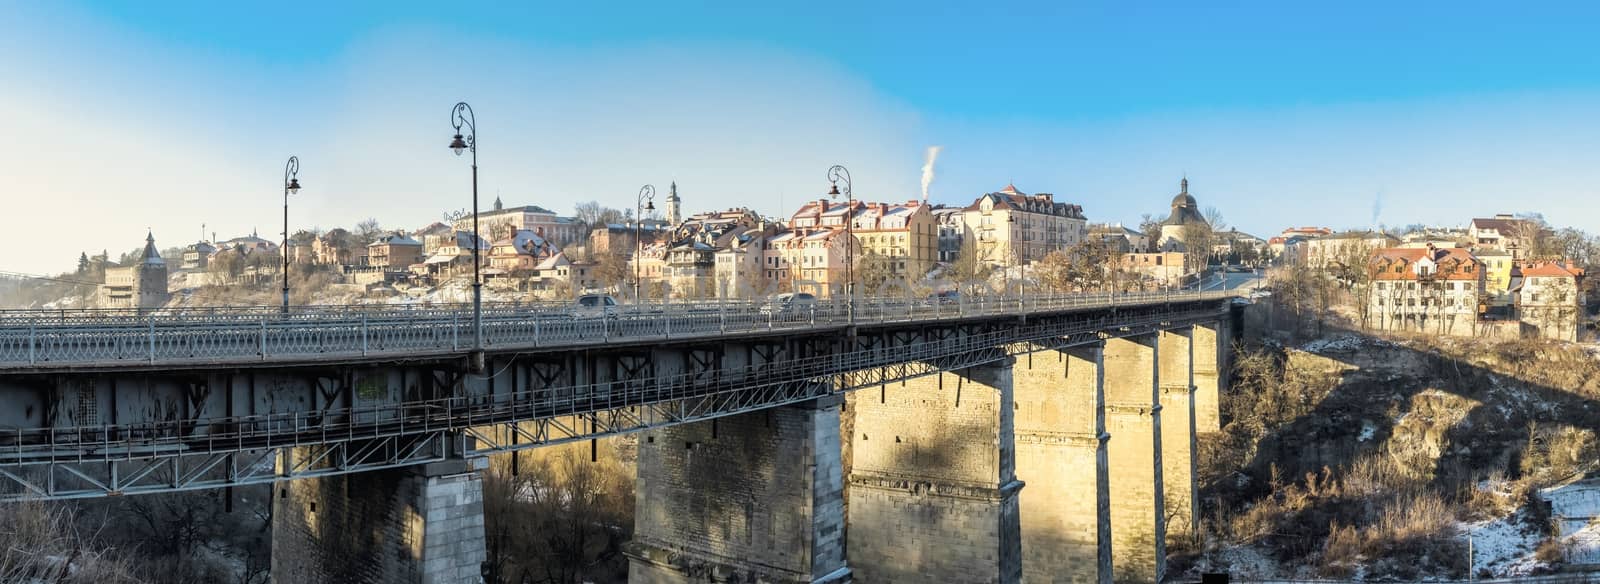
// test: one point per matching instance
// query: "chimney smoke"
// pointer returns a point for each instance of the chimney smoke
(927, 169)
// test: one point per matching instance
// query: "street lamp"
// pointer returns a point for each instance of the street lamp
(462, 116)
(291, 185)
(836, 174)
(646, 202)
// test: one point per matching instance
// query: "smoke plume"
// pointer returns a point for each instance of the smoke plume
(927, 169)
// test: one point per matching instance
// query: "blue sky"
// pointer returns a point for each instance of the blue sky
(173, 114)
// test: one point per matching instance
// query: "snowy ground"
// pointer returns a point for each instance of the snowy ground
(1504, 546)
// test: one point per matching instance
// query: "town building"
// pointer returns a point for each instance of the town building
(337, 248)
(1430, 290)
(1504, 232)
(142, 285)
(739, 264)
(1010, 227)
(451, 255)
(1549, 298)
(503, 221)
(691, 266)
(1161, 268)
(1499, 267)
(197, 256)
(902, 237)
(394, 251)
(519, 253)
(1349, 249)
(809, 260)
(1120, 237)
(619, 237)
(952, 231)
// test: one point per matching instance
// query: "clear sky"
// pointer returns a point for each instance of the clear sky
(127, 115)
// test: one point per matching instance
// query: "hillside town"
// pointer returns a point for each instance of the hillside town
(1504, 276)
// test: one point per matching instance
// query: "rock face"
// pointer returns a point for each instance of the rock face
(1358, 455)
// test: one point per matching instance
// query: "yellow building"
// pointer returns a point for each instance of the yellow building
(1011, 227)
(1497, 266)
(906, 234)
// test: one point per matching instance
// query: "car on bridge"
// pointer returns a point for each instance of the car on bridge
(595, 306)
(790, 306)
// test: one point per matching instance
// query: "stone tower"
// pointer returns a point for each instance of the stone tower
(140, 285)
(673, 203)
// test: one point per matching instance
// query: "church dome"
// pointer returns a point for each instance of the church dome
(1183, 200)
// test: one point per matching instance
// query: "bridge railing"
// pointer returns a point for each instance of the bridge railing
(242, 337)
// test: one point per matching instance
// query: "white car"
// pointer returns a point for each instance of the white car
(595, 305)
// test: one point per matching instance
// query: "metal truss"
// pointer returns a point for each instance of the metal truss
(188, 472)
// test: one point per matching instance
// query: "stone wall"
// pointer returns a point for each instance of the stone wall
(1178, 442)
(743, 498)
(418, 524)
(933, 486)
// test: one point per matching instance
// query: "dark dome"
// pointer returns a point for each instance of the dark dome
(1183, 200)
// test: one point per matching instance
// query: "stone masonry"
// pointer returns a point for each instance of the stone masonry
(1061, 455)
(933, 486)
(1133, 418)
(1178, 442)
(1210, 349)
(754, 497)
(419, 524)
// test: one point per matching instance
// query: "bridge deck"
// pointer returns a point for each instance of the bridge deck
(47, 340)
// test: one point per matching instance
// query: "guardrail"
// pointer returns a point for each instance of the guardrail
(242, 336)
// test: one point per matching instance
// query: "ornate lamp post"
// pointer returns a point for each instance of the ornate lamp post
(836, 174)
(291, 185)
(461, 116)
(645, 202)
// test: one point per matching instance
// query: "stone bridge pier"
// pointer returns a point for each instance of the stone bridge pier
(419, 524)
(933, 488)
(754, 497)
(1061, 454)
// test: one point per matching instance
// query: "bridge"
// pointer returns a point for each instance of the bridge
(757, 427)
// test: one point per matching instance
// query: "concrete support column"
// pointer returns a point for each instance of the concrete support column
(1178, 444)
(755, 497)
(1133, 418)
(415, 524)
(1061, 455)
(1210, 345)
(933, 486)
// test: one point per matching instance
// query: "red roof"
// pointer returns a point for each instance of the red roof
(1552, 269)
(1454, 263)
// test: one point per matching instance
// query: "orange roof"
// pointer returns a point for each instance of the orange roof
(1449, 260)
(1554, 269)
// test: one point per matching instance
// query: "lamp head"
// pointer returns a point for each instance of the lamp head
(458, 144)
(294, 186)
(649, 205)
(833, 190)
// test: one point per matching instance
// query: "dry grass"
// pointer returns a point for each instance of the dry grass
(41, 542)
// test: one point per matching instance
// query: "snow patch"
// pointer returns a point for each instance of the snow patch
(1503, 546)
(1575, 508)
(1367, 431)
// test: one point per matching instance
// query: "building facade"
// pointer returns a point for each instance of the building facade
(1429, 290)
(1010, 227)
(1549, 299)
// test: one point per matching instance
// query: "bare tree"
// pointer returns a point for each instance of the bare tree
(368, 230)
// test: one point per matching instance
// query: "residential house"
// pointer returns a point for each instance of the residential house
(809, 260)
(197, 256)
(1120, 237)
(1433, 290)
(1504, 232)
(519, 253)
(1011, 227)
(394, 252)
(1162, 268)
(1499, 266)
(1549, 298)
(451, 255)
(952, 231)
(902, 237)
(337, 248)
(739, 264)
